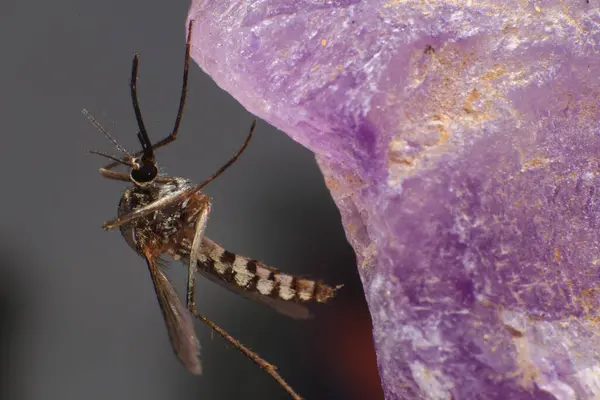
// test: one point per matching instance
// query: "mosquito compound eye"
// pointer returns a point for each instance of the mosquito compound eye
(145, 174)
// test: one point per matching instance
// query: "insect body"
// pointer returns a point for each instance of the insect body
(161, 215)
(172, 230)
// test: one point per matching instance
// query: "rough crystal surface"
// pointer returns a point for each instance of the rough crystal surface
(461, 143)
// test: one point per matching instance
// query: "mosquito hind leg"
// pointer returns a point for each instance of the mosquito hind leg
(265, 365)
(202, 206)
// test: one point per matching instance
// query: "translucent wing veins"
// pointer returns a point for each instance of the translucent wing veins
(177, 318)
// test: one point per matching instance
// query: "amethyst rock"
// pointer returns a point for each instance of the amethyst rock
(460, 141)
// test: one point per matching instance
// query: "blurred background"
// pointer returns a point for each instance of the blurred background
(78, 314)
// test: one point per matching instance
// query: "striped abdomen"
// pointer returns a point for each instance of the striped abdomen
(254, 276)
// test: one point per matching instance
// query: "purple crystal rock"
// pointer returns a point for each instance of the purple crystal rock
(460, 141)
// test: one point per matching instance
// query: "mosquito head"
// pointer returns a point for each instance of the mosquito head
(144, 170)
(143, 173)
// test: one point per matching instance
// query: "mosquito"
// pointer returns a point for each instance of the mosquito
(160, 215)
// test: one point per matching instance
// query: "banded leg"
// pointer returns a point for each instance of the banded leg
(265, 365)
(201, 222)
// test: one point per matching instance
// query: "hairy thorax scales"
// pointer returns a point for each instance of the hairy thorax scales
(165, 229)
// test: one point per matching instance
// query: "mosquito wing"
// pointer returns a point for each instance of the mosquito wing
(178, 320)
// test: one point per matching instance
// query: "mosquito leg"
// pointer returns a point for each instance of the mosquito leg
(265, 365)
(118, 176)
(228, 163)
(134, 97)
(191, 304)
(182, 97)
(201, 223)
(173, 135)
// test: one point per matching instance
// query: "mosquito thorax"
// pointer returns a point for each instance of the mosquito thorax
(162, 225)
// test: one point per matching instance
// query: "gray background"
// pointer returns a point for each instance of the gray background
(78, 317)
